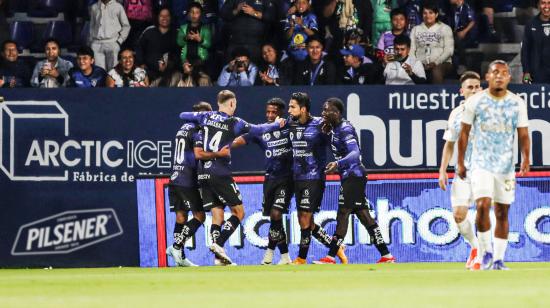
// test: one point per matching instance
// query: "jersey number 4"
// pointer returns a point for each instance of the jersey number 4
(213, 144)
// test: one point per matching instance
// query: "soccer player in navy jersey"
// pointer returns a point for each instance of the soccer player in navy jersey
(278, 183)
(219, 129)
(183, 187)
(309, 159)
(352, 198)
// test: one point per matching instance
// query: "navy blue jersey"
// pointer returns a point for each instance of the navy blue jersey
(96, 79)
(345, 148)
(218, 130)
(308, 149)
(278, 152)
(184, 165)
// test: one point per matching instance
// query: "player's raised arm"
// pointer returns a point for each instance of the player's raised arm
(244, 127)
(194, 117)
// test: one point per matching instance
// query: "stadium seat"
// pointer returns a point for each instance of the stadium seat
(18, 6)
(45, 8)
(59, 30)
(22, 33)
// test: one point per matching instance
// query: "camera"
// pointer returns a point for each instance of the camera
(240, 64)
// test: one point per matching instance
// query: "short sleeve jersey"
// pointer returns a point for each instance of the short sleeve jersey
(277, 149)
(308, 149)
(344, 142)
(494, 122)
(184, 167)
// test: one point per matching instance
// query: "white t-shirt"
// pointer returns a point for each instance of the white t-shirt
(395, 74)
(137, 81)
(494, 122)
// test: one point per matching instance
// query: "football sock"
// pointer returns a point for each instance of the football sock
(305, 239)
(335, 245)
(500, 248)
(179, 239)
(274, 233)
(484, 239)
(228, 228)
(190, 228)
(466, 229)
(215, 232)
(377, 239)
(321, 235)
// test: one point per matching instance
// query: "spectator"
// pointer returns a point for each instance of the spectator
(86, 75)
(140, 16)
(4, 27)
(488, 16)
(343, 16)
(405, 68)
(357, 72)
(273, 71)
(194, 38)
(462, 21)
(194, 75)
(432, 43)
(53, 71)
(413, 11)
(385, 43)
(209, 11)
(381, 17)
(300, 25)
(314, 70)
(170, 75)
(109, 28)
(14, 73)
(240, 71)
(535, 47)
(156, 42)
(249, 22)
(126, 73)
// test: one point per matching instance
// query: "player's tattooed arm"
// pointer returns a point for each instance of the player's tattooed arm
(331, 167)
(238, 142)
(201, 154)
(462, 144)
(523, 137)
(445, 158)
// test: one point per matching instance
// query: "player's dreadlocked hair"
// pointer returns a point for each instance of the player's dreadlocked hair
(336, 102)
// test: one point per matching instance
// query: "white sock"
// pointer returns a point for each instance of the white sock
(485, 242)
(466, 229)
(500, 248)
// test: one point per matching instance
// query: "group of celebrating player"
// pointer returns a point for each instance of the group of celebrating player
(296, 164)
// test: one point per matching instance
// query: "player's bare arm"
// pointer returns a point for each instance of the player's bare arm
(462, 144)
(525, 142)
(445, 158)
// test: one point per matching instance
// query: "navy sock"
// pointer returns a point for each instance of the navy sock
(305, 235)
(215, 231)
(228, 228)
(377, 239)
(335, 245)
(321, 235)
(275, 235)
(191, 227)
(179, 240)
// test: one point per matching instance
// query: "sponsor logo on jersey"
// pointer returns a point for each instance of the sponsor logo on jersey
(266, 136)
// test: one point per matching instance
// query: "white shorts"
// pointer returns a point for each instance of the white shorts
(501, 188)
(461, 192)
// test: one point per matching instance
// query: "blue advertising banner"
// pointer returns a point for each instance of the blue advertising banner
(414, 215)
(64, 150)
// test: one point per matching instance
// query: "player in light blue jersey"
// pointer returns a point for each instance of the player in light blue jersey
(494, 115)
(461, 191)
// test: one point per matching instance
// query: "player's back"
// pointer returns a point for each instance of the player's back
(184, 165)
(309, 149)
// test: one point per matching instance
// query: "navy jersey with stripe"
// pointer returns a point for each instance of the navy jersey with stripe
(308, 148)
(218, 130)
(184, 167)
(345, 148)
(278, 152)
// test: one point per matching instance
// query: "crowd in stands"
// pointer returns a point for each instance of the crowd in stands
(189, 43)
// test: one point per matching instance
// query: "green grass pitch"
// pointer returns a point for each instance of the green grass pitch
(365, 285)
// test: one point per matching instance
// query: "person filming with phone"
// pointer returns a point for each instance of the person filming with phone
(239, 71)
(404, 68)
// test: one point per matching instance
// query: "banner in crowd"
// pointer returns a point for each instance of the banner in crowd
(69, 157)
(414, 215)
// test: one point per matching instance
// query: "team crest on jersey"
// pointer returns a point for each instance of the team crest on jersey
(298, 135)
(277, 134)
(291, 136)
(361, 79)
(306, 192)
(547, 31)
(207, 164)
(94, 82)
(266, 136)
(174, 176)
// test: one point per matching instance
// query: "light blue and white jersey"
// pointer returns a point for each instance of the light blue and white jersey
(494, 122)
(452, 132)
